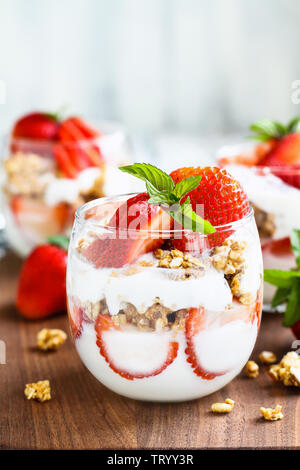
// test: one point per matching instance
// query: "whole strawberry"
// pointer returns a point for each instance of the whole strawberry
(221, 199)
(37, 125)
(42, 281)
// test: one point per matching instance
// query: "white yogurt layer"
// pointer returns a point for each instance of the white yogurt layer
(67, 190)
(143, 288)
(272, 195)
(224, 348)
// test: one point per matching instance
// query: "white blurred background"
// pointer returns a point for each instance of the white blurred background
(174, 72)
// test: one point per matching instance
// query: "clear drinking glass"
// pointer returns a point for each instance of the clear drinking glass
(39, 200)
(275, 195)
(156, 323)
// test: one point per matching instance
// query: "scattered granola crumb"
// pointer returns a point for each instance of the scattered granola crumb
(225, 407)
(267, 357)
(50, 339)
(251, 369)
(288, 370)
(39, 391)
(272, 414)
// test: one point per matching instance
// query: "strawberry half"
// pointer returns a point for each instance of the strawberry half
(75, 152)
(75, 319)
(223, 201)
(134, 355)
(141, 217)
(193, 325)
(39, 126)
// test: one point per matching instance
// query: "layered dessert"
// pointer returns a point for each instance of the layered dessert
(163, 307)
(270, 174)
(51, 167)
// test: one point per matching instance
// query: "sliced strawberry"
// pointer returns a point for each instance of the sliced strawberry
(221, 341)
(193, 325)
(38, 220)
(75, 152)
(219, 198)
(40, 126)
(75, 129)
(131, 238)
(283, 156)
(75, 320)
(131, 354)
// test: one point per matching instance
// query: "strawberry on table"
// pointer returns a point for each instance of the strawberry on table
(133, 355)
(42, 281)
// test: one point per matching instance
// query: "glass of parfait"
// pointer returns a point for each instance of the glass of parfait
(50, 168)
(274, 192)
(159, 312)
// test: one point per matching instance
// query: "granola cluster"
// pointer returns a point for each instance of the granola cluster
(39, 391)
(288, 370)
(267, 357)
(271, 414)
(225, 407)
(252, 369)
(265, 222)
(229, 258)
(50, 339)
(156, 317)
(27, 173)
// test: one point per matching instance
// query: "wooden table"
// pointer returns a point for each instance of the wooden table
(83, 414)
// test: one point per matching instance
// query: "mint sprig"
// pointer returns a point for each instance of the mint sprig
(266, 129)
(165, 193)
(288, 284)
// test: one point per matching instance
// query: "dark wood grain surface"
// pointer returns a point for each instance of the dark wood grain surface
(85, 415)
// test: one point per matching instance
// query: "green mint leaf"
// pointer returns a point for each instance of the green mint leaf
(59, 240)
(265, 129)
(150, 174)
(292, 313)
(295, 242)
(294, 125)
(187, 218)
(281, 296)
(279, 278)
(186, 186)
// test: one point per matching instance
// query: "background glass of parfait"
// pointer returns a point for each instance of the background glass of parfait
(153, 331)
(39, 199)
(274, 193)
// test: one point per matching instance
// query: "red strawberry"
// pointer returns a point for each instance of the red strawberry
(285, 153)
(193, 326)
(75, 152)
(75, 129)
(134, 355)
(42, 283)
(75, 320)
(41, 126)
(71, 159)
(223, 201)
(296, 329)
(35, 217)
(135, 214)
